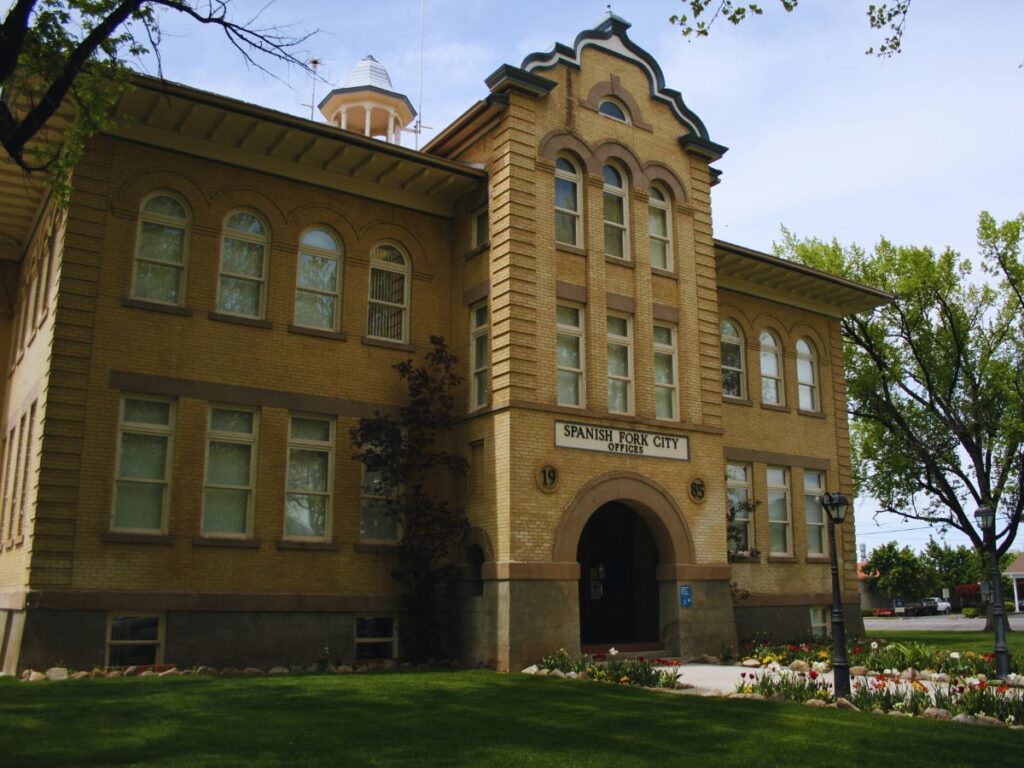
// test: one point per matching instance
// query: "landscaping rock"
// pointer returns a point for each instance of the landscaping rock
(229, 672)
(343, 669)
(115, 673)
(858, 671)
(25, 673)
(278, 671)
(712, 693)
(969, 719)
(818, 703)
(98, 673)
(206, 671)
(35, 677)
(877, 711)
(56, 674)
(571, 675)
(777, 697)
(295, 669)
(909, 674)
(800, 666)
(707, 659)
(79, 675)
(937, 713)
(147, 673)
(583, 676)
(680, 685)
(752, 663)
(312, 668)
(940, 677)
(989, 720)
(542, 672)
(389, 665)
(894, 713)
(172, 672)
(557, 673)
(129, 671)
(846, 704)
(253, 671)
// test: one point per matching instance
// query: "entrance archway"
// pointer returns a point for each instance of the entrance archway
(618, 593)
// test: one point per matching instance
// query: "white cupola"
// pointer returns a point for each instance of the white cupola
(367, 104)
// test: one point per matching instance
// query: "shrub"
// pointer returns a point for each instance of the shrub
(970, 613)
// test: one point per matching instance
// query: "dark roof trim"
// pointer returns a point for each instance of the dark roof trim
(468, 121)
(374, 89)
(793, 266)
(716, 175)
(167, 88)
(615, 27)
(506, 77)
(702, 147)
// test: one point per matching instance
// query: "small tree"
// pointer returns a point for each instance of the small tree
(898, 572)
(407, 454)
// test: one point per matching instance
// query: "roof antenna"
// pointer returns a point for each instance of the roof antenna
(314, 63)
(419, 106)
(609, 11)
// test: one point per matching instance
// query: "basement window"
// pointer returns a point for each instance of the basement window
(135, 639)
(819, 623)
(376, 638)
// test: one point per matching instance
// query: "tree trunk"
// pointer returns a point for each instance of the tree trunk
(990, 625)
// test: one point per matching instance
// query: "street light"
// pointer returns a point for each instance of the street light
(836, 505)
(986, 518)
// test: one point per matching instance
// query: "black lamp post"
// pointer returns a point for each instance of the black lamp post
(836, 505)
(986, 517)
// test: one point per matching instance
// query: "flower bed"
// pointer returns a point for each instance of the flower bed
(648, 673)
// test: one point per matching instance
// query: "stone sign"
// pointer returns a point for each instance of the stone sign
(627, 442)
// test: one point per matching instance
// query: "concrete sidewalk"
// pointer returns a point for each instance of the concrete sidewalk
(720, 677)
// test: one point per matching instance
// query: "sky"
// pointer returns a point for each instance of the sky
(822, 139)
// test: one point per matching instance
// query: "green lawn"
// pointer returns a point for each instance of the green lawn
(452, 719)
(979, 642)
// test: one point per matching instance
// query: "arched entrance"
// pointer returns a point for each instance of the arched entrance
(618, 595)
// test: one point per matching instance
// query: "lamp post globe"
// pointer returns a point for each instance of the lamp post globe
(836, 505)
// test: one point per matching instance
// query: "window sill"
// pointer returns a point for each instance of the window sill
(781, 559)
(322, 546)
(664, 273)
(223, 541)
(252, 322)
(153, 306)
(811, 414)
(573, 249)
(773, 407)
(372, 342)
(736, 400)
(381, 547)
(621, 262)
(477, 250)
(114, 537)
(738, 558)
(318, 333)
(822, 559)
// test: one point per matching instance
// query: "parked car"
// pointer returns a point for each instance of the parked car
(941, 606)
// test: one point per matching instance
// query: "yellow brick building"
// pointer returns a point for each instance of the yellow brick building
(191, 339)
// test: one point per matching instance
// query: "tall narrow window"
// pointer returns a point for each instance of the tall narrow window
(659, 227)
(27, 469)
(778, 510)
(620, 364)
(307, 508)
(161, 251)
(141, 484)
(567, 203)
(771, 369)
(230, 470)
(377, 518)
(12, 523)
(819, 623)
(481, 228)
(737, 479)
(733, 378)
(5, 493)
(388, 307)
(243, 266)
(318, 282)
(570, 355)
(814, 486)
(666, 388)
(616, 214)
(479, 352)
(807, 376)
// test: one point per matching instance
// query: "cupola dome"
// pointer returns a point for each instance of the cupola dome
(367, 103)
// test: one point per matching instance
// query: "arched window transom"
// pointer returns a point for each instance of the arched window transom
(614, 109)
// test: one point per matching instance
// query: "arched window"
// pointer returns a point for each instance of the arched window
(388, 308)
(614, 109)
(318, 281)
(567, 202)
(243, 266)
(659, 227)
(733, 379)
(771, 369)
(616, 214)
(807, 376)
(161, 250)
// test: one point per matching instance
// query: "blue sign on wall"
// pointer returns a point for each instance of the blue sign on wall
(685, 596)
